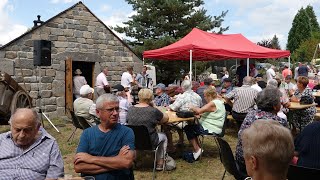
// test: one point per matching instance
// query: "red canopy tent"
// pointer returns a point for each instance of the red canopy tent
(199, 45)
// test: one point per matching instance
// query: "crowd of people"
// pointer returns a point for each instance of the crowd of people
(268, 136)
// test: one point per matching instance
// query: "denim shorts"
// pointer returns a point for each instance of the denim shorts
(194, 130)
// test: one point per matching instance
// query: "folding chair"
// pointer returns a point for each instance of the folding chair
(227, 159)
(300, 173)
(75, 123)
(225, 123)
(83, 122)
(143, 143)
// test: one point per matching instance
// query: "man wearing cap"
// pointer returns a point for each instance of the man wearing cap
(162, 98)
(78, 82)
(207, 82)
(102, 83)
(84, 106)
(124, 104)
(226, 87)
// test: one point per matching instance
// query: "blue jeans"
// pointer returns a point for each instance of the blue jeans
(194, 130)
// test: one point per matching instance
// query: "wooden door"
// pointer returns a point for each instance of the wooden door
(69, 82)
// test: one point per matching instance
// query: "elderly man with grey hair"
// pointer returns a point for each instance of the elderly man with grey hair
(268, 103)
(268, 149)
(106, 151)
(28, 151)
(243, 100)
(183, 103)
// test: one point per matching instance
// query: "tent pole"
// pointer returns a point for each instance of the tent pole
(142, 61)
(248, 66)
(314, 55)
(190, 73)
(289, 63)
(195, 71)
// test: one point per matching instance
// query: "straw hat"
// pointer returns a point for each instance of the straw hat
(213, 77)
(77, 71)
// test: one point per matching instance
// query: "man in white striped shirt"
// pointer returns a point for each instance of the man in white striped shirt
(244, 99)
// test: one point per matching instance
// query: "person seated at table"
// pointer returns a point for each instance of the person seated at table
(284, 99)
(211, 121)
(162, 98)
(255, 85)
(260, 81)
(182, 103)
(301, 118)
(200, 91)
(244, 100)
(28, 151)
(106, 151)
(145, 114)
(124, 104)
(84, 106)
(268, 149)
(307, 146)
(288, 85)
(226, 86)
(268, 103)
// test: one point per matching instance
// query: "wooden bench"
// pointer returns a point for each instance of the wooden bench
(318, 109)
(230, 118)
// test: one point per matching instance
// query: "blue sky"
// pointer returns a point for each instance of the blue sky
(255, 19)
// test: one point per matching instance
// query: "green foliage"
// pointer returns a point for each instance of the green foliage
(306, 50)
(300, 30)
(312, 19)
(159, 23)
(275, 43)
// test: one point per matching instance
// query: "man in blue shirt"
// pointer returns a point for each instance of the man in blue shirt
(107, 150)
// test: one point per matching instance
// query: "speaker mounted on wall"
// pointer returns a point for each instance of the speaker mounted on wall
(41, 53)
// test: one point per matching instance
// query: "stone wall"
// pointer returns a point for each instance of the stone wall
(75, 33)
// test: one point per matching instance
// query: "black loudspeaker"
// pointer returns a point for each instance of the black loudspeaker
(41, 53)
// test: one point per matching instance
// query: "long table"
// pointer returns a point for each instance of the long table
(173, 118)
(298, 106)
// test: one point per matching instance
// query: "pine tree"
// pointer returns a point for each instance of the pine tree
(300, 30)
(275, 43)
(312, 19)
(159, 23)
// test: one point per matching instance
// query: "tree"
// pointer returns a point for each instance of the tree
(312, 19)
(265, 43)
(159, 23)
(300, 30)
(306, 50)
(275, 43)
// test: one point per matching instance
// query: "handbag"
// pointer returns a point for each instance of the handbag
(306, 100)
(185, 114)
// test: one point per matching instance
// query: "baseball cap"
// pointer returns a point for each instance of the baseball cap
(117, 88)
(161, 86)
(86, 89)
(227, 80)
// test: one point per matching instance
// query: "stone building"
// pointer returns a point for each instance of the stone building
(78, 40)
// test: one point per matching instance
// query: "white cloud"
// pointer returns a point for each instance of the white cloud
(104, 8)
(118, 18)
(8, 29)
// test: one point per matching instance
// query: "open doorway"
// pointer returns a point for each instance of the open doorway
(86, 69)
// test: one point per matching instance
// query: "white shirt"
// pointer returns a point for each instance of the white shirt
(270, 74)
(101, 80)
(78, 82)
(126, 80)
(256, 87)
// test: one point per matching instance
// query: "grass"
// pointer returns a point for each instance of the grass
(209, 167)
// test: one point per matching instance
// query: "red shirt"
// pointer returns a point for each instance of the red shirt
(286, 72)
